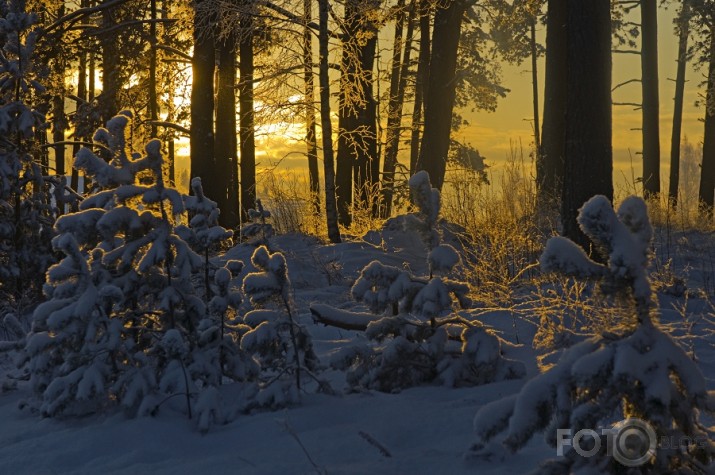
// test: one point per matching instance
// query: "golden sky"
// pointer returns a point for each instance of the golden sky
(492, 133)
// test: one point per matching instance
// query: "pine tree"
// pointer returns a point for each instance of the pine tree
(123, 322)
(258, 231)
(414, 318)
(26, 208)
(633, 372)
(281, 345)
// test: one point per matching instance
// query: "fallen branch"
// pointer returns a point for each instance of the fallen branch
(344, 319)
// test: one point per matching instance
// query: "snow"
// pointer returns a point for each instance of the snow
(426, 429)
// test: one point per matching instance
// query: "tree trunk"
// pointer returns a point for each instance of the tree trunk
(82, 94)
(310, 125)
(331, 210)
(357, 112)
(111, 82)
(441, 91)
(247, 123)
(226, 145)
(550, 163)
(398, 82)
(683, 33)
(153, 105)
(420, 84)
(649, 82)
(707, 171)
(202, 105)
(588, 160)
(535, 87)
(59, 119)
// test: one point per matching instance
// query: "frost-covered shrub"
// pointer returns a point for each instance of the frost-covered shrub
(282, 347)
(122, 307)
(258, 231)
(75, 347)
(417, 337)
(203, 233)
(638, 372)
(218, 355)
(26, 210)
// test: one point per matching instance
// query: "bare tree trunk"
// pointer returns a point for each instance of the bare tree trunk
(535, 87)
(247, 123)
(707, 172)
(92, 75)
(153, 105)
(59, 119)
(226, 145)
(683, 33)
(649, 81)
(310, 125)
(111, 83)
(588, 154)
(420, 84)
(356, 167)
(398, 82)
(202, 104)
(550, 163)
(171, 149)
(331, 210)
(441, 91)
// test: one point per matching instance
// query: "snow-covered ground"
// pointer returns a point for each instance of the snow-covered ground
(423, 430)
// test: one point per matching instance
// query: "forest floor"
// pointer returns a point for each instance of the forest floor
(423, 430)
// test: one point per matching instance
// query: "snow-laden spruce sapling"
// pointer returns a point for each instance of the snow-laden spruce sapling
(258, 231)
(417, 336)
(281, 345)
(126, 233)
(75, 348)
(26, 208)
(220, 332)
(203, 233)
(633, 372)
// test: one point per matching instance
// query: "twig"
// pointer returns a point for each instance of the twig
(293, 434)
(372, 441)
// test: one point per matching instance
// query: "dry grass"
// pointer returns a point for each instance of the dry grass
(501, 223)
(504, 234)
(287, 196)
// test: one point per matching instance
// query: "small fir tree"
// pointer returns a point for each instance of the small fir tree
(637, 371)
(281, 345)
(258, 231)
(26, 208)
(418, 337)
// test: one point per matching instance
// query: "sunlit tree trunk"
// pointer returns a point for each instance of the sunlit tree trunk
(588, 154)
(153, 105)
(398, 82)
(202, 104)
(331, 210)
(310, 126)
(170, 145)
(420, 84)
(111, 61)
(441, 90)
(247, 122)
(226, 145)
(649, 82)
(683, 33)
(357, 159)
(59, 119)
(535, 86)
(707, 171)
(550, 163)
